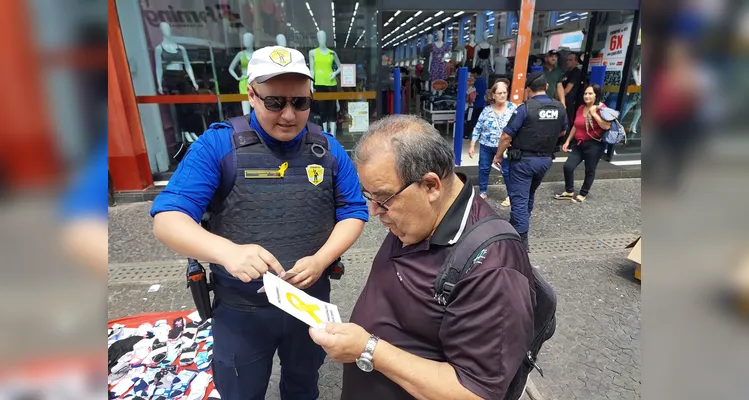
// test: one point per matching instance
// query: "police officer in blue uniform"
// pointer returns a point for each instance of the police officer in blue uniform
(281, 195)
(531, 135)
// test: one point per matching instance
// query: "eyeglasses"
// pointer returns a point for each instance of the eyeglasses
(278, 103)
(382, 203)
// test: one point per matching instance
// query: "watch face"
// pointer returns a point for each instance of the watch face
(364, 365)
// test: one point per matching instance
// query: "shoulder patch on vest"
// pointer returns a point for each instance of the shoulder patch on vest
(315, 173)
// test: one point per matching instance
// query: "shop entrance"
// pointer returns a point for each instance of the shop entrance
(428, 46)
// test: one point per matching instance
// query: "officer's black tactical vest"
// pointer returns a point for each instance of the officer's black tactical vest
(541, 128)
(286, 204)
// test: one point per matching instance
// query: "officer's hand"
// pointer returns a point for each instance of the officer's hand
(250, 261)
(497, 158)
(471, 152)
(308, 271)
(344, 343)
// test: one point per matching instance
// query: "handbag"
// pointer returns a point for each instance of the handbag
(614, 135)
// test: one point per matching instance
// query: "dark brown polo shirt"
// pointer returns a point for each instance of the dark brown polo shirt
(483, 333)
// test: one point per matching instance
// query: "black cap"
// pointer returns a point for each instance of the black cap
(537, 77)
(552, 53)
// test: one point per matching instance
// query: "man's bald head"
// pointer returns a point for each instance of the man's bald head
(416, 146)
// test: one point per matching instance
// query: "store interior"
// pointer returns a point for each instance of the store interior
(429, 47)
(188, 63)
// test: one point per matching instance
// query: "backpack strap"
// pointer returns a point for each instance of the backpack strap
(460, 259)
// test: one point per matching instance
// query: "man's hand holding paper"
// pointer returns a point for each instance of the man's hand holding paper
(302, 306)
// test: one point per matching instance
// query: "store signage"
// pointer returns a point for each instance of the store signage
(617, 42)
(348, 75)
(198, 19)
(190, 14)
(439, 85)
(359, 112)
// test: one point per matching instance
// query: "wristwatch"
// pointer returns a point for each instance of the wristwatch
(364, 362)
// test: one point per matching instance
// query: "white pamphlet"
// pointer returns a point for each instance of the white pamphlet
(312, 311)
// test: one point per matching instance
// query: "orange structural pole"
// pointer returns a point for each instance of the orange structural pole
(128, 158)
(29, 157)
(523, 50)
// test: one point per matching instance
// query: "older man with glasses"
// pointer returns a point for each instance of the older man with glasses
(403, 342)
(281, 195)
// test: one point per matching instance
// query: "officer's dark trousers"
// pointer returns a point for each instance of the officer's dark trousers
(244, 344)
(525, 177)
(589, 151)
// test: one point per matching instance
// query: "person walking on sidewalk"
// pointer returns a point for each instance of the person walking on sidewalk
(531, 135)
(281, 195)
(588, 147)
(487, 131)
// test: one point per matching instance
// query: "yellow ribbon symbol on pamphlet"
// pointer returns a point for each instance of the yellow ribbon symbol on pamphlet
(310, 309)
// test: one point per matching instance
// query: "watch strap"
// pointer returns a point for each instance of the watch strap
(371, 343)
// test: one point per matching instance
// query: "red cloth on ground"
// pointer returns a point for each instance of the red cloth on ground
(135, 321)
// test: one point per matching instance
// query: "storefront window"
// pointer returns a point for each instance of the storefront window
(466, 38)
(188, 60)
(608, 44)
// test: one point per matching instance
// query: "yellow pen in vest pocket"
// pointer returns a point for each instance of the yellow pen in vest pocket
(266, 173)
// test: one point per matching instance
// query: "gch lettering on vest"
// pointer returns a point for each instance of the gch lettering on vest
(548, 114)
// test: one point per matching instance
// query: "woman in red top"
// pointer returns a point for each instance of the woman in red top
(587, 146)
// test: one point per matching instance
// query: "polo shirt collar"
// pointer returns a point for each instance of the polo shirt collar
(454, 222)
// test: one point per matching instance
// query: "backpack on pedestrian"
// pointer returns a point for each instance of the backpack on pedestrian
(458, 264)
(616, 134)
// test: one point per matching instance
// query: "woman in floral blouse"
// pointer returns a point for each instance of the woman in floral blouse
(488, 128)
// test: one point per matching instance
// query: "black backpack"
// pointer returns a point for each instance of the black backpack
(457, 265)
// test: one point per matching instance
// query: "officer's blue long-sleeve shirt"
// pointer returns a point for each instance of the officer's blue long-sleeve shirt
(192, 186)
(516, 122)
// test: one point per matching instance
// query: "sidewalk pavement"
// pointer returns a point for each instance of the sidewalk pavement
(579, 249)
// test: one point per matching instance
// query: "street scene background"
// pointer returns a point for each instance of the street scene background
(579, 248)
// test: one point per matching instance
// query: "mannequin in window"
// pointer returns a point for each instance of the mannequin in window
(484, 56)
(468, 51)
(171, 64)
(500, 64)
(281, 40)
(437, 68)
(243, 59)
(426, 55)
(321, 61)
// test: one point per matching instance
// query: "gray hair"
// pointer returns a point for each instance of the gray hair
(417, 145)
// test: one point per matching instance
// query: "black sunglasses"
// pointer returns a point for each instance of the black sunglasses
(278, 103)
(382, 203)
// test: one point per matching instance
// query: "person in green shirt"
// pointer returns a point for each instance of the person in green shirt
(553, 76)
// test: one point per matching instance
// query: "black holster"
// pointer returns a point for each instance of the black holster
(337, 269)
(200, 288)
